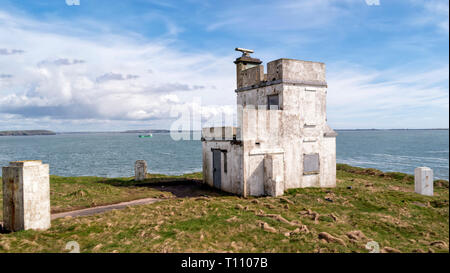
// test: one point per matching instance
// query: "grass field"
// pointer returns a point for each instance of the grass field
(367, 205)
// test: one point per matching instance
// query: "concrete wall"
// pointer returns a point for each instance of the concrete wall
(252, 76)
(298, 128)
(245, 63)
(232, 178)
(290, 70)
(328, 162)
(219, 133)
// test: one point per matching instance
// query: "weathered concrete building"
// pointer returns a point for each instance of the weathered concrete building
(282, 140)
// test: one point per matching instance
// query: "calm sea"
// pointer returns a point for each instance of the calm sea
(114, 154)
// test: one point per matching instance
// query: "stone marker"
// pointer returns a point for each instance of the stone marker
(26, 196)
(140, 170)
(423, 180)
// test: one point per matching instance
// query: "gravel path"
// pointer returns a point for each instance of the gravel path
(101, 209)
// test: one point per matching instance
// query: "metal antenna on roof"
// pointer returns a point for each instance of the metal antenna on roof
(245, 52)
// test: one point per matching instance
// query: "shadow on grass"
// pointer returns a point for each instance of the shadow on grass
(2, 230)
(179, 187)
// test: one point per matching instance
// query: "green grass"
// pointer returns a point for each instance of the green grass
(383, 206)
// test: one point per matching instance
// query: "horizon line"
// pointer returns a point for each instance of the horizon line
(168, 130)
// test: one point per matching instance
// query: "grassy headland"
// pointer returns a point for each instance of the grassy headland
(367, 205)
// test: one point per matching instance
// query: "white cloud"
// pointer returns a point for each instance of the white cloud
(5, 51)
(68, 77)
(439, 9)
(432, 12)
(391, 98)
(282, 15)
(92, 81)
(60, 61)
(115, 77)
(5, 76)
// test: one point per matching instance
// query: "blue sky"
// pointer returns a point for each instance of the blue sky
(117, 65)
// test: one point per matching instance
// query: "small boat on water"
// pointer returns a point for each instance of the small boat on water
(149, 135)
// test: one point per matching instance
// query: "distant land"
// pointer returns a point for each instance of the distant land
(27, 133)
(405, 129)
(156, 131)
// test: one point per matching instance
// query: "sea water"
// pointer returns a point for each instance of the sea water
(114, 154)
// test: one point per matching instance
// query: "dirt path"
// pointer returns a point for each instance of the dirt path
(101, 209)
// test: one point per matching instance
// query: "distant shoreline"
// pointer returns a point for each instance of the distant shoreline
(155, 131)
(27, 133)
(406, 129)
(163, 131)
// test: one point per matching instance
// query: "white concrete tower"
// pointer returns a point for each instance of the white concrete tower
(283, 137)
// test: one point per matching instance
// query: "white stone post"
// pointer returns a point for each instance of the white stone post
(140, 170)
(423, 181)
(26, 196)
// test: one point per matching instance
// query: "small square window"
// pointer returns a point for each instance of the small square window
(273, 102)
(311, 163)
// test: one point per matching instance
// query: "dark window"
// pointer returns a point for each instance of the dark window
(311, 163)
(273, 102)
(225, 162)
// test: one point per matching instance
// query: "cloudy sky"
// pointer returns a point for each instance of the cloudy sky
(117, 65)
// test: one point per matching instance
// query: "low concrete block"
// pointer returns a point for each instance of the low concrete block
(140, 170)
(423, 181)
(26, 196)
(274, 187)
(273, 175)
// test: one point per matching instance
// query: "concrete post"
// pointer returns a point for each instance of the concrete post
(273, 175)
(26, 196)
(140, 170)
(423, 181)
